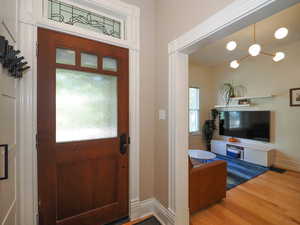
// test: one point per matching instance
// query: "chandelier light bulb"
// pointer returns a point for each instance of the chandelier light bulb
(281, 33)
(254, 50)
(234, 64)
(231, 45)
(278, 56)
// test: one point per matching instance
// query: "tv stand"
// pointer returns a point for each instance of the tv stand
(254, 153)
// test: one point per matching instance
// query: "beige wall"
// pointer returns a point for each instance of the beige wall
(202, 77)
(8, 187)
(173, 18)
(171, 21)
(262, 76)
(168, 20)
(147, 90)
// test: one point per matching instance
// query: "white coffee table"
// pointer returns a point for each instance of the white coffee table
(201, 155)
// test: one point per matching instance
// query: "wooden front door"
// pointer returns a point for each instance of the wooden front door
(82, 118)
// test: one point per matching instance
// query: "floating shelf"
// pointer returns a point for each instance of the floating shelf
(232, 106)
(242, 98)
(251, 97)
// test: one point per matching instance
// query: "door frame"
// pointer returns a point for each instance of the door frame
(232, 18)
(30, 18)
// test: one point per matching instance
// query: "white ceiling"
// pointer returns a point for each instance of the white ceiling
(215, 54)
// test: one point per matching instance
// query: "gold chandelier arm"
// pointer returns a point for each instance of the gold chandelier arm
(254, 33)
(268, 54)
(243, 58)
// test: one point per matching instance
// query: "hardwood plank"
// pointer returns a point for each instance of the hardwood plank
(137, 220)
(269, 199)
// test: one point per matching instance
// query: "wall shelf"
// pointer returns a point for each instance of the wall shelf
(251, 97)
(232, 106)
(243, 98)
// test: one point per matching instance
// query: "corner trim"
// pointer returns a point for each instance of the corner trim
(152, 207)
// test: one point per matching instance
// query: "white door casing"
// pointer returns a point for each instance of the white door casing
(232, 18)
(32, 16)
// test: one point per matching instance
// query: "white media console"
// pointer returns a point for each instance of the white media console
(258, 154)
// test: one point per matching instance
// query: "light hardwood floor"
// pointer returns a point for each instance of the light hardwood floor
(269, 199)
(136, 221)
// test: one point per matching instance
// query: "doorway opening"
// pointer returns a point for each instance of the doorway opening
(237, 16)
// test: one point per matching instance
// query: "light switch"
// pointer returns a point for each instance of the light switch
(162, 114)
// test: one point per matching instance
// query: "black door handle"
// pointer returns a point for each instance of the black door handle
(123, 143)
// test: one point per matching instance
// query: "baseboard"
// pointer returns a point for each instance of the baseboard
(288, 164)
(151, 206)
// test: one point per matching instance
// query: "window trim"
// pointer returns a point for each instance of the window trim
(198, 132)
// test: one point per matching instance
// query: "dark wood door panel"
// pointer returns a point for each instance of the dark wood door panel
(82, 187)
(74, 189)
(72, 152)
(82, 182)
(105, 214)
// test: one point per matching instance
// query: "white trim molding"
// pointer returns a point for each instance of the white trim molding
(30, 18)
(152, 207)
(178, 137)
(232, 18)
(227, 21)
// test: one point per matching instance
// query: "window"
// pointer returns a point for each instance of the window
(86, 106)
(194, 110)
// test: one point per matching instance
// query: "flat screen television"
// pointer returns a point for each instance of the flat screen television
(253, 125)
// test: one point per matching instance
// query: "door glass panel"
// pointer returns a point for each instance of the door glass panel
(65, 56)
(86, 106)
(89, 60)
(110, 64)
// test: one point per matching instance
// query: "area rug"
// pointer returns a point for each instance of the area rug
(149, 221)
(239, 171)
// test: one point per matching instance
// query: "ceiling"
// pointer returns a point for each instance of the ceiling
(216, 53)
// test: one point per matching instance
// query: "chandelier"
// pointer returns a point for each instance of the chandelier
(255, 49)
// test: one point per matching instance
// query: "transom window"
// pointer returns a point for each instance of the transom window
(194, 110)
(75, 16)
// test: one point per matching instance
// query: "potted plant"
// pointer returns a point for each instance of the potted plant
(209, 128)
(228, 91)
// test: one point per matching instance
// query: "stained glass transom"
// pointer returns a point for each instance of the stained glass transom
(72, 15)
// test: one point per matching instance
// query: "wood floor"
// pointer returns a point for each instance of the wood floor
(269, 199)
(137, 220)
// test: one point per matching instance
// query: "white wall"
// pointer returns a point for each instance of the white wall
(262, 76)
(202, 77)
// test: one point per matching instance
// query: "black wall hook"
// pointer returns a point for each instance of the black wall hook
(9, 59)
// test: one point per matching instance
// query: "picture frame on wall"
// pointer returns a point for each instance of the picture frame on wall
(3, 162)
(295, 97)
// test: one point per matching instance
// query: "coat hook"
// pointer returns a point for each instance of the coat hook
(10, 60)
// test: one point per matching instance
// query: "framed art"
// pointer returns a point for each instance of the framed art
(3, 162)
(295, 97)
